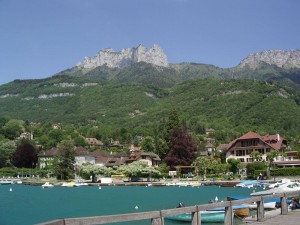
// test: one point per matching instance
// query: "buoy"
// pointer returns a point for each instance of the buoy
(10, 189)
(99, 187)
(216, 199)
(136, 207)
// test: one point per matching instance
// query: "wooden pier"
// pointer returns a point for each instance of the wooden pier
(157, 217)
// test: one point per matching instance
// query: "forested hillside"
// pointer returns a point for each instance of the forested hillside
(138, 98)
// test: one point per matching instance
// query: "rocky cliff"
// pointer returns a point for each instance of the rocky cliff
(284, 59)
(126, 57)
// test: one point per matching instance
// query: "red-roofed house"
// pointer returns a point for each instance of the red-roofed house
(242, 147)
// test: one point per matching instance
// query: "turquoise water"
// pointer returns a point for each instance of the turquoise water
(27, 205)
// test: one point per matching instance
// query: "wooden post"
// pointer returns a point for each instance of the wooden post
(228, 215)
(284, 205)
(158, 221)
(196, 217)
(260, 211)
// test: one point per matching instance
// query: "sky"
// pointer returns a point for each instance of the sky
(39, 38)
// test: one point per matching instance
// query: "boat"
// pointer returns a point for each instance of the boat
(284, 188)
(249, 184)
(241, 211)
(268, 204)
(206, 217)
(68, 184)
(47, 185)
(79, 184)
(277, 184)
(5, 182)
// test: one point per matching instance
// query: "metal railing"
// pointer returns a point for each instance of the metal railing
(157, 217)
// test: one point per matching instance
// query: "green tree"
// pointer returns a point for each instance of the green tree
(202, 164)
(252, 167)
(256, 156)
(13, 128)
(63, 164)
(7, 148)
(148, 144)
(138, 169)
(270, 159)
(234, 165)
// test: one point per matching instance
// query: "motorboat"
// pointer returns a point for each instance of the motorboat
(268, 204)
(248, 184)
(206, 217)
(68, 184)
(284, 188)
(79, 184)
(47, 185)
(277, 184)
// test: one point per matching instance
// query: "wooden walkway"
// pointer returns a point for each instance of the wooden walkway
(275, 218)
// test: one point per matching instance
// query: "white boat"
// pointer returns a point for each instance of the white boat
(79, 184)
(68, 184)
(284, 188)
(47, 185)
(277, 184)
(4, 182)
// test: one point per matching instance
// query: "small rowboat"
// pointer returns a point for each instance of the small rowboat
(206, 217)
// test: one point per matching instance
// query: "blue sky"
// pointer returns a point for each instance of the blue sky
(39, 38)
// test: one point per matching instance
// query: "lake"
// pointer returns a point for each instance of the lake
(27, 205)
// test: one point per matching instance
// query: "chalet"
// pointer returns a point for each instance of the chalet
(148, 157)
(242, 147)
(94, 142)
(109, 159)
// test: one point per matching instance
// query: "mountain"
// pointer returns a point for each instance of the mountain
(126, 57)
(279, 58)
(141, 94)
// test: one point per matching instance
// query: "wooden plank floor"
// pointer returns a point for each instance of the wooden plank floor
(274, 218)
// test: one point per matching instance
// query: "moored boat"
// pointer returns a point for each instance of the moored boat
(284, 188)
(238, 210)
(47, 185)
(206, 217)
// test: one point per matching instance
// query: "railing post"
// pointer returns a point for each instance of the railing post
(228, 215)
(284, 205)
(260, 210)
(196, 217)
(158, 221)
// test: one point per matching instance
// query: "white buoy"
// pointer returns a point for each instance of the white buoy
(10, 189)
(99, 187)
(136, 207)
(216, 199)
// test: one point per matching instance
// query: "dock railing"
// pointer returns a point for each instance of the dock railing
(157, 217)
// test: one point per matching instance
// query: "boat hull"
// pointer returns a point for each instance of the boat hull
(206, 217)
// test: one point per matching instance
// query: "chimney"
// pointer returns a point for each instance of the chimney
(278, 137)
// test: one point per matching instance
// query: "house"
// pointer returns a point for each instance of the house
(242, 147)
(26, 135)
(109, 159)
(148, 157)
(45, 158)
(94, 142)
(83, 156)
(209, 131)
(210, 148)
